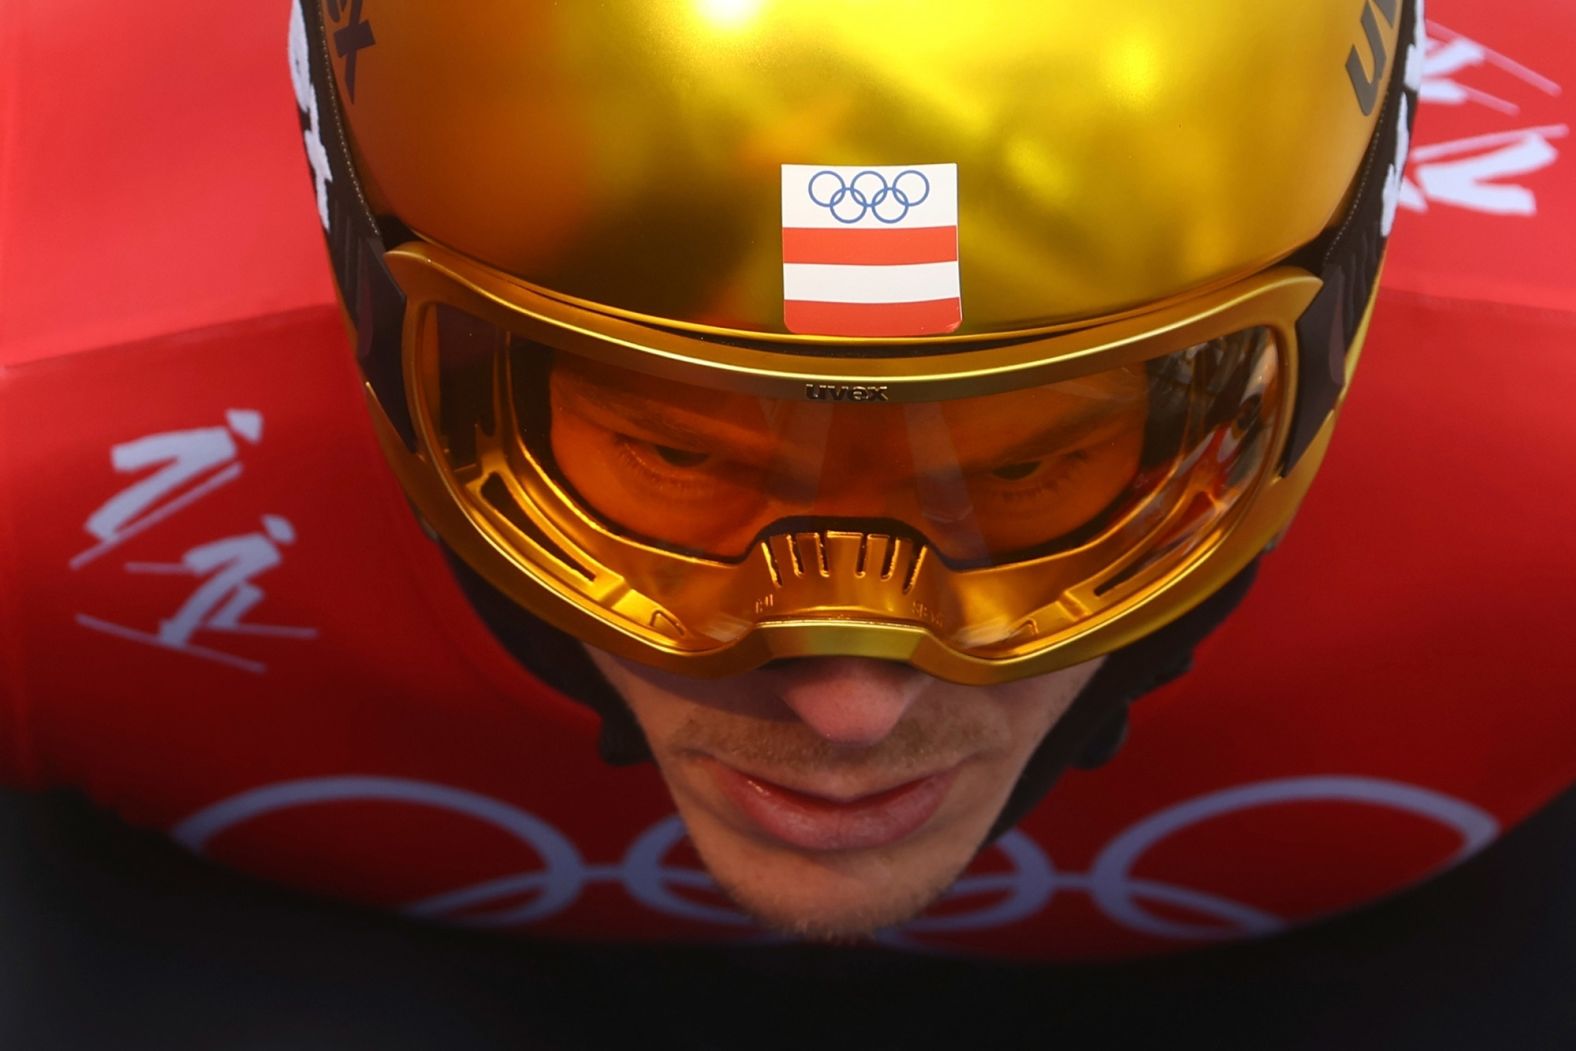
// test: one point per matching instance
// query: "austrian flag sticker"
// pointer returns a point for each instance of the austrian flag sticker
(871, 251)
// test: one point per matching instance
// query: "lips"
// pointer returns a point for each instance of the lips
(813, 822)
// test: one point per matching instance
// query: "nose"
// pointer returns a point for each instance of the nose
(850, 701)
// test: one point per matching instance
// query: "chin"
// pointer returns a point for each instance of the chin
(833, 918)
(833, 898)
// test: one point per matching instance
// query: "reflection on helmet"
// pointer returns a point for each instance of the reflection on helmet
(577, 338)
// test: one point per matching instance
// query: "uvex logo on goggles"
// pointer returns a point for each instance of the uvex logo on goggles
(844, 392)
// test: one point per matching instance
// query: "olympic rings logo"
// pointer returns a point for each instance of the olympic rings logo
(1023, 890)
(869, 193)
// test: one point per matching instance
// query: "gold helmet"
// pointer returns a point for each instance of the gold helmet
(988, 338)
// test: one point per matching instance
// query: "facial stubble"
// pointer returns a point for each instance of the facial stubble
(935, 737)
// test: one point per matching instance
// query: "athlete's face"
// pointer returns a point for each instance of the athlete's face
(835, 796)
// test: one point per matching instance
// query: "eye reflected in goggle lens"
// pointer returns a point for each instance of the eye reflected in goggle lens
(710, 471)
(988, 479)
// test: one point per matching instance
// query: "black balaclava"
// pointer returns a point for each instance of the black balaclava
(1087, 735)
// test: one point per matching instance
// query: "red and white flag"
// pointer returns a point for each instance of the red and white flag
(871, 251)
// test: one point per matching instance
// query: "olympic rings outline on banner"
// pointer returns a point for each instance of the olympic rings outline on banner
(1028, 886)
(867, 198)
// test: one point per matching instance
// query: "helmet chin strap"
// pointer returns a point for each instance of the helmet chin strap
(1087, 735)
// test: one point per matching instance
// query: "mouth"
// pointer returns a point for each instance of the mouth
(809, 821)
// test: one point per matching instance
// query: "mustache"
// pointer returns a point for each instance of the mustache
(925, 740)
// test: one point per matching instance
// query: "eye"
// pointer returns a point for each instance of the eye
(1013, 472)
(679, 457)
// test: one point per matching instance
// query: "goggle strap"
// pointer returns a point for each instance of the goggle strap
(1348, 257)
(356, 243)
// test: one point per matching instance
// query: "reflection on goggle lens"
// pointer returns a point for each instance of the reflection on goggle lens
(985, 480)
(710, 470)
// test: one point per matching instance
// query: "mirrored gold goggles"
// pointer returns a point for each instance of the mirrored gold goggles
(981, 510)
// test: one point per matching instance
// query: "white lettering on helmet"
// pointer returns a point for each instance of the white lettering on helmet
(306, 100)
